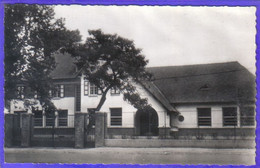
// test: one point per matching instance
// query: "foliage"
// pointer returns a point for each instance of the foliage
(32, 35)
(110, 61)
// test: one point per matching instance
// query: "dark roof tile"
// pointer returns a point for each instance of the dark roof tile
(65, 67)
(226, 82)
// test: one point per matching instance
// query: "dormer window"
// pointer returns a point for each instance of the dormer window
(59, 91)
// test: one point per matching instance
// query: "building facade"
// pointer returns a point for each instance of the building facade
(194, 101)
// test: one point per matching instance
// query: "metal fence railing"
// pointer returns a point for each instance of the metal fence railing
(47, 121)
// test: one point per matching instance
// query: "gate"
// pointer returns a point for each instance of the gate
(89, 130)
(55, 132)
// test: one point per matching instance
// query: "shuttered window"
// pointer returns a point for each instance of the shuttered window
(116, 116)
(229, 116)
(59, 91)
(247, 116)
(85, 87)
(204, 116)
(50, 119)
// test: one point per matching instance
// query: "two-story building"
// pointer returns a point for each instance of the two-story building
(191, 101)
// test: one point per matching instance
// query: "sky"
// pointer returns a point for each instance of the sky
(170, 36)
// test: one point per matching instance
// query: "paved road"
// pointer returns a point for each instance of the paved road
(131, 155)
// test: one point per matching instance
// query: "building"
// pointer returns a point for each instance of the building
(204, 101)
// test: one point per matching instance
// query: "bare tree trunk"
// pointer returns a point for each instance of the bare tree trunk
(101, 102)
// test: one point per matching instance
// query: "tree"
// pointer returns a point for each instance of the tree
(110, 61)
(32, 35)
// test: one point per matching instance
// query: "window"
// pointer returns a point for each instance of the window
(116, 116)
(85, 87)
(204, 116)
(229, 116)
(93, 89)
(50, 119)
(247, 116)
(115, 91)
(20, 92)
(63, 117)
(38, 118)
(59, 91)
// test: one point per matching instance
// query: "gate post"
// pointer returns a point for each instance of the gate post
(9, 128)
(79, 130)
(26, 130)
(100, 129)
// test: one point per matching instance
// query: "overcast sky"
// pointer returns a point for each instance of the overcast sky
(174, 35)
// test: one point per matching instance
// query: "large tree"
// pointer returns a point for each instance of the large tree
(32, 35)
(110, 61)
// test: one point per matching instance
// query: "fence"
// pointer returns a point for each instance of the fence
(24, 132)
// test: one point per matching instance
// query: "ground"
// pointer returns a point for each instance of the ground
(131, 155)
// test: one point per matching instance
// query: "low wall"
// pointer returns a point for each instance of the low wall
(188, 133)
(57, 131)
(148, 143)
(120, 131)
(215, 132)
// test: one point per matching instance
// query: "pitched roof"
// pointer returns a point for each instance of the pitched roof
(202, 83)
(151, 87)
(65, 68)
(205, 83)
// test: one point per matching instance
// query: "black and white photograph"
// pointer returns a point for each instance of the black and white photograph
(129, 84)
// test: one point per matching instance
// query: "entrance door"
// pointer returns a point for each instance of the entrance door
(147, 122)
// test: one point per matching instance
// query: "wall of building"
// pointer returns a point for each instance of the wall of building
(65, 103)
(128, 111)
(191, 116)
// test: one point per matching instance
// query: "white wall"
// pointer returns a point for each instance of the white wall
(191, 117)
(65, 103)
(18, 105)
(128, 111)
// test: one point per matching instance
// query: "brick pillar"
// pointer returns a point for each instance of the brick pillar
(9, 129)
(100, 129)
(79, 130)
(26, 130)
